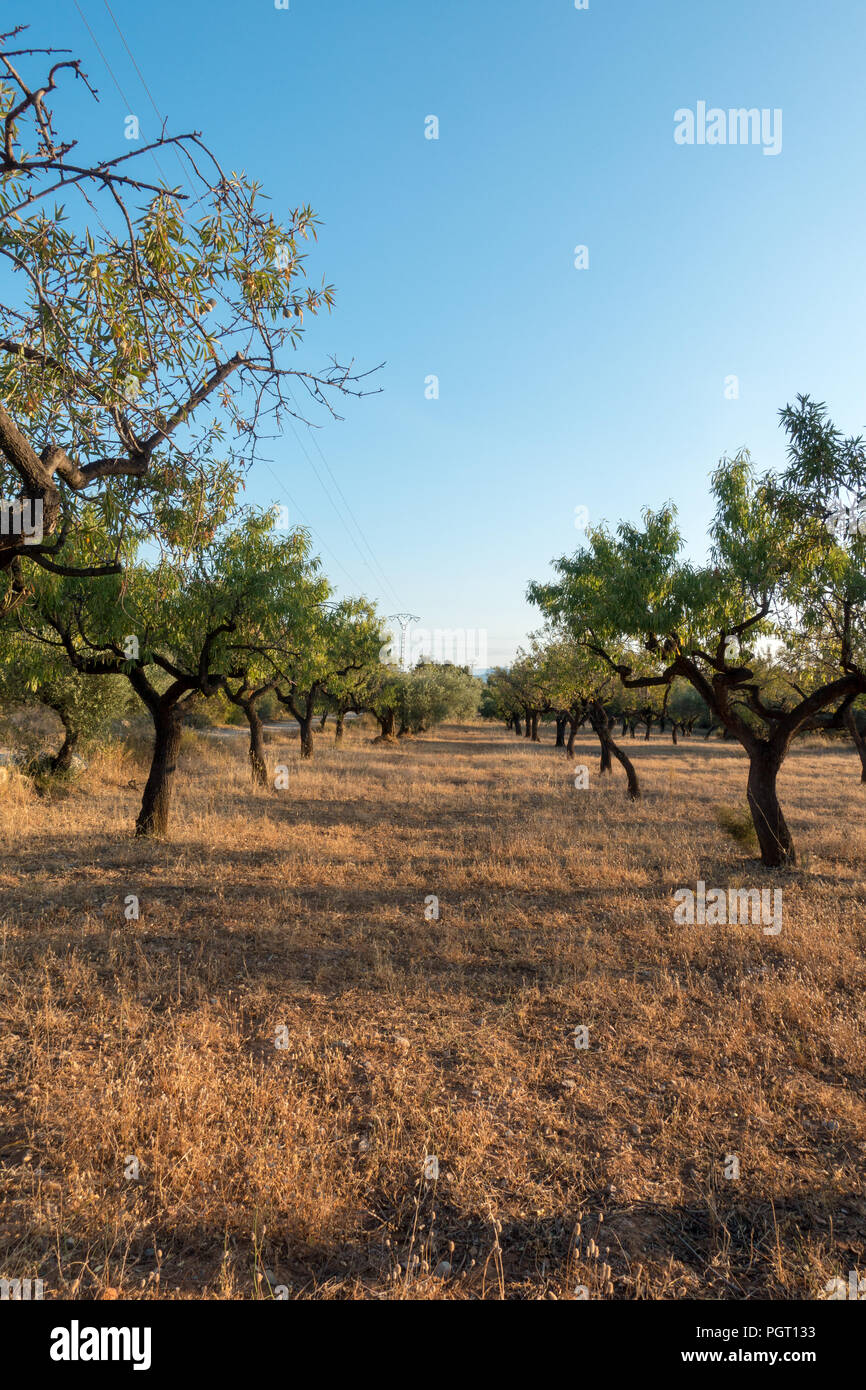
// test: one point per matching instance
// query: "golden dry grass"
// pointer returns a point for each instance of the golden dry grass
(302, 1167)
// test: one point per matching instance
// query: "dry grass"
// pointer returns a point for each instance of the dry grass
(303, 1166)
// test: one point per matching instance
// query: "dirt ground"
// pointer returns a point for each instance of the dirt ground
(246, 1091)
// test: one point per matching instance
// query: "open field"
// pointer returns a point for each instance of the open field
(302, 1166)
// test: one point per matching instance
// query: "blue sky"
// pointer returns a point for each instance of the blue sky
(602, 388)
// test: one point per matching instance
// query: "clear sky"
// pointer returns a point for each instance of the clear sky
(559, 387)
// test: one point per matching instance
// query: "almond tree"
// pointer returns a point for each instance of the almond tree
(33, 674)
(499, 700)
(289, 607)
(579, 683)
(775, 569)
(319, 647)
(146, 331)
(173, 629)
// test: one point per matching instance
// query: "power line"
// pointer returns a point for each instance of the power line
(379, 577)
(159, 115)
(352, 517)
(124, 98)
(337, 513)
(313, 532)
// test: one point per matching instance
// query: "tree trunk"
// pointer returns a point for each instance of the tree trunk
(338, 729)
(386, 723)
(599, 722)
(528, 723)
(774, 837)
(258, 758)
(649, 724)
(572, 730)
(673, 732)
(517, 729)
(62, 760)
(560, 731)
(155, 803)
(535, 738)
(859, 741)
(306, 729)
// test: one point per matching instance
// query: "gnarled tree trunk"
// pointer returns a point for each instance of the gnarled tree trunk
(62, 760)
(599, 721)
(386, 724)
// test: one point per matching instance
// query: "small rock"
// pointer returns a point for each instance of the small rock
(442, 1270)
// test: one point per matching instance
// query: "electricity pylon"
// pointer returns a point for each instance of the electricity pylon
(404, 619)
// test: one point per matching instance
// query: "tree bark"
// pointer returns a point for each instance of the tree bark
(535, 738)
(258, 757)
(572, 730)
(858, 739)
(517, 729)
(774, 837)
(560, 731)
(528, 724)
(306, 731)
(156, 801)
(62, 760)
(599, 722)
(338, 729)
(247, 701)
